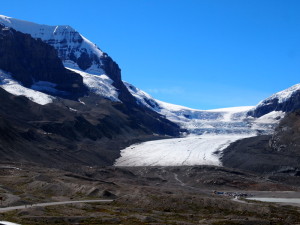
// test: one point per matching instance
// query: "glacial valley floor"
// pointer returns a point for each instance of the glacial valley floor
(143, 195)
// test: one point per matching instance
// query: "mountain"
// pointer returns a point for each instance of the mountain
(62, 73)
(56, 115)
(101, 75)
(74, 50)
(278, 152)
(287, 100)
(235, 120)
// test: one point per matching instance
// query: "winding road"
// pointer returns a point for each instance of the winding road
(5, 209)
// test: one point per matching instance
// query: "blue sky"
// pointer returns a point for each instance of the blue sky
(198, 53)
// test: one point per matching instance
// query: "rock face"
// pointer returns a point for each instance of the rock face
(286, 138)
(30, 61)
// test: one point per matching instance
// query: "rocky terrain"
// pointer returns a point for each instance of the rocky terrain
(277, 153)
(142, 195)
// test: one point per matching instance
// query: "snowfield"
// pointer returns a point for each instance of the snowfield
(191, 150)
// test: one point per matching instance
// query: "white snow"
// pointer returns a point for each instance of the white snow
(267, 121)
(15, 88)
(8, 223)
(191, 150)
(271, 117)
(93, 69)
(99, 85)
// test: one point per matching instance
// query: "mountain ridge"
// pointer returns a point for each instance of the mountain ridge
(135, 108)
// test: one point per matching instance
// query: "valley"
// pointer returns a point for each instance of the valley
(81, 146)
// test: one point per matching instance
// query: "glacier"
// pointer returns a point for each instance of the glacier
(191, 150)
(208, 132)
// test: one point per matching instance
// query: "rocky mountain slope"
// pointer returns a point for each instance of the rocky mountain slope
(53, 115)
(74, 50)
(277, 153)
(31, 62)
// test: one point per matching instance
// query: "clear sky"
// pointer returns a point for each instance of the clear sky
(198, 53)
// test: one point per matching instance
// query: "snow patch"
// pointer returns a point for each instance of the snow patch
(99, 85)
(267, 121)
(8, 223)
(15, 88)
(282, 96)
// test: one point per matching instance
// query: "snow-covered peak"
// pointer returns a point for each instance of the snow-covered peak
(282, 96)
(287, 100)
(70, 44)
(45, 32)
